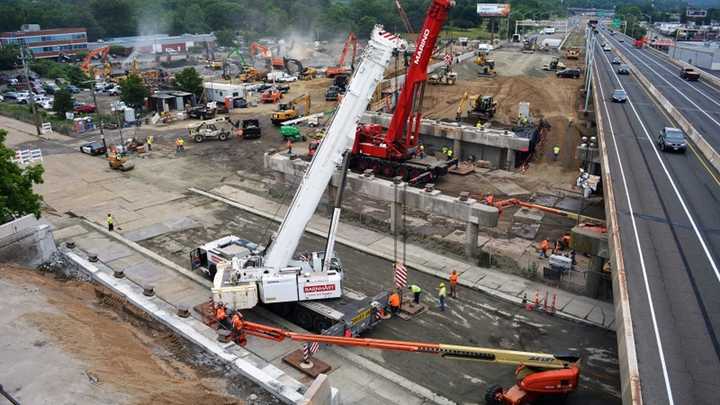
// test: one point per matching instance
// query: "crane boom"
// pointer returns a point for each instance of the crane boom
(338, 138)
(404, 17)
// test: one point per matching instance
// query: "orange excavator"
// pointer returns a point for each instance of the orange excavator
(537, 374)
(341, 69)
(266, 54)
(99, 52)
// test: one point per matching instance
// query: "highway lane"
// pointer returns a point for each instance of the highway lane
(698, 101)
(674, 289)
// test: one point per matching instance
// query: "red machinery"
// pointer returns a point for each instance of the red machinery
(538, 374)
(639, 43)
(100, 52)
(341, 69)
(388, 153)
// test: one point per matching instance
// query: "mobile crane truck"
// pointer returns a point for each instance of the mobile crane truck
(392, 153)
(537, 374)
(244, 274)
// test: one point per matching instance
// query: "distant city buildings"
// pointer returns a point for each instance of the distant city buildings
(48, 43)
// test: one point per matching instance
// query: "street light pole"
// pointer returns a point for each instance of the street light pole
(33, 107)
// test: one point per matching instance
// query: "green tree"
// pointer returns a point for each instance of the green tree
(225, 38)
(63, 102)
(16, 185)
(189, 80)
(133, 90)
(8, 57)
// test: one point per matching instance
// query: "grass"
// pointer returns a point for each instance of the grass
(23, 113)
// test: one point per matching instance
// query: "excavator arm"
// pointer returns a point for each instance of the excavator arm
(103, 52)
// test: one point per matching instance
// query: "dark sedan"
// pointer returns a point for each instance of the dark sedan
(93, 148)
(623, 70)
(570, 73)
(672, 139)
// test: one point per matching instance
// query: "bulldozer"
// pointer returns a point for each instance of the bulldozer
(486, 64)
(443, 75)
(289, 111)
(118, 162)
(554, 65)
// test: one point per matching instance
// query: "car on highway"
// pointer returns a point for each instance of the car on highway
(619, 96)
(616, 61)
(621, 40)
(606, 48)
(572, 73)
(672, 139)
(623, 69)
(93, 148)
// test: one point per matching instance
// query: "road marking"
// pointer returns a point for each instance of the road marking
(672, 183)
(676, 89)
(658, 341)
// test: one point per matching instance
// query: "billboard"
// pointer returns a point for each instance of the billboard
(696, 12)
(493, 10)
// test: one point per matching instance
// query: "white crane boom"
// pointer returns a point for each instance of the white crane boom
(338, 138)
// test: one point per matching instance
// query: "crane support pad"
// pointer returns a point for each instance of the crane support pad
(295, 359)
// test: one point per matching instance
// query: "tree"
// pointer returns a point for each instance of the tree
(225, 38)
(16, 193)
(189, 80)
(63, 102)
(8, 57)
(133, 90)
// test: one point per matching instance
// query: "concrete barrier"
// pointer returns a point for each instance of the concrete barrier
(26, 241)
(712, 156)
(715, 80)
(630, 388)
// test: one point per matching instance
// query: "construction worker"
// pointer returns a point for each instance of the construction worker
(444, 150)
(110, 224)
(238, 329)
(221, 315)
(289, 146)
(449, 154)
(416, 290)
(421, 151)
(179, 145)
(442, 293)
(556, 152)
(149, 141)
(544, 246)
(394, 302)
(454, 278)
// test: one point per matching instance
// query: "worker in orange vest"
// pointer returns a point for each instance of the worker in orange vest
(221, 315)
(238, 329)
(454, 277)
(289, 146)
(394, 302)
(544, 246)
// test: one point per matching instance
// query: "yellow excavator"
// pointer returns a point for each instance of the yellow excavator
(479, 108)
(289, 111)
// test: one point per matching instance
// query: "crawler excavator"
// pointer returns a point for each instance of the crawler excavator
(392, 152)
(537, 374)
(341, 69)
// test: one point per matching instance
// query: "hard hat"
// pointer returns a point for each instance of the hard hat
(442, 284)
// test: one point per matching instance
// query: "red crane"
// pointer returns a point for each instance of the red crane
(387, 152)
(538, 374)
(340, 69)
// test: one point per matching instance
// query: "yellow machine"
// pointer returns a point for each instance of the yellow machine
(288, 111)
(308, 73)
(478, 108)
(488, 65)
(572, 53)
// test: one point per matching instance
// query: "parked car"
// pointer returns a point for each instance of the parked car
(72, 89)
(572, 73)
(201, 112)
(623, 70)
(85, 108)
(22, 97)
(616, 61)
(10, 96)
(113, 91)
(672, 139)
(619, 96)
(93, 148)
(46, 103)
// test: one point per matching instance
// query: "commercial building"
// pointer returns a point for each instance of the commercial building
(160, 43)
(49, 43)
(703, 55)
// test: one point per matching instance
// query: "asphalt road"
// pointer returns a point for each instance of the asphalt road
(698, 101)
(472, 319)
(669, 218)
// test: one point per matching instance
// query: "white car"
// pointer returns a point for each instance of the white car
(22, 97)
(280, 77)
(113, 91)
(45, 103)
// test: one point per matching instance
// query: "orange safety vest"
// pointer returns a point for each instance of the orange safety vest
(454, 279)
(544, 245)
(220, 314)
(395, 300)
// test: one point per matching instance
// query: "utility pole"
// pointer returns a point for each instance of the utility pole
(36, 119)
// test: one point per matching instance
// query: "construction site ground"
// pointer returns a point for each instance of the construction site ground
(68, 347)
(154, 198)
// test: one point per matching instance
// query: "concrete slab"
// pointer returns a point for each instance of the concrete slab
(171, 225)
(510, 189)
(69, 232)
(525, 231)
(578, 308)
(472, 276)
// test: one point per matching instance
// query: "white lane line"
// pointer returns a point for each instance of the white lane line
(676, 89)
(665, 59)
(672, 183)
(646, 283)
